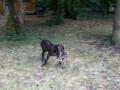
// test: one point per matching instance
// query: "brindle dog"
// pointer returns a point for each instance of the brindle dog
(52, 50)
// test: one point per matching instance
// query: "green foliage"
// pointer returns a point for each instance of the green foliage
(9, 1)
(71, 9)
(57, 7)
(55, 20)
(84, 12)
(74, 8)
(74, 13)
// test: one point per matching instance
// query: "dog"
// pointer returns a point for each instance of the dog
(52, 50)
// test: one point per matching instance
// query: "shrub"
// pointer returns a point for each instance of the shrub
(84, 12)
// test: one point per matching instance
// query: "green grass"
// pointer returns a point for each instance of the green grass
(20, 61)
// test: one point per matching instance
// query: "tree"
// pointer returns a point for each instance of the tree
(14, 16)
(116, 26)
(56, 6)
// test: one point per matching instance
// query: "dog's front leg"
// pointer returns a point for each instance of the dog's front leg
(46, 60)
(43, 57)
(59, 61)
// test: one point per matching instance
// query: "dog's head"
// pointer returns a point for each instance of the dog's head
(62, 53)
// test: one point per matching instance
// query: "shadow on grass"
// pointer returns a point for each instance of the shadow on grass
(31, 38)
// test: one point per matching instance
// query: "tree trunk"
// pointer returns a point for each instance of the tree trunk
(20, 13)
(14, 17)
(116, 26)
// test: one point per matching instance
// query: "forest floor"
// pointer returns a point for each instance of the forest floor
(93, 63)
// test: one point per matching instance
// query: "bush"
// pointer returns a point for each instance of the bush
(84, 12)
(74, 13)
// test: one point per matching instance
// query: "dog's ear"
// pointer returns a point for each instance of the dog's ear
(60, 49)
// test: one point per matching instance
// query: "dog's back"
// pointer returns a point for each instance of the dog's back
(46, 44)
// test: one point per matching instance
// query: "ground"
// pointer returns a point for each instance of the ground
(93, 63)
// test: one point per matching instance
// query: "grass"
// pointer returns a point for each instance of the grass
(92, 63)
